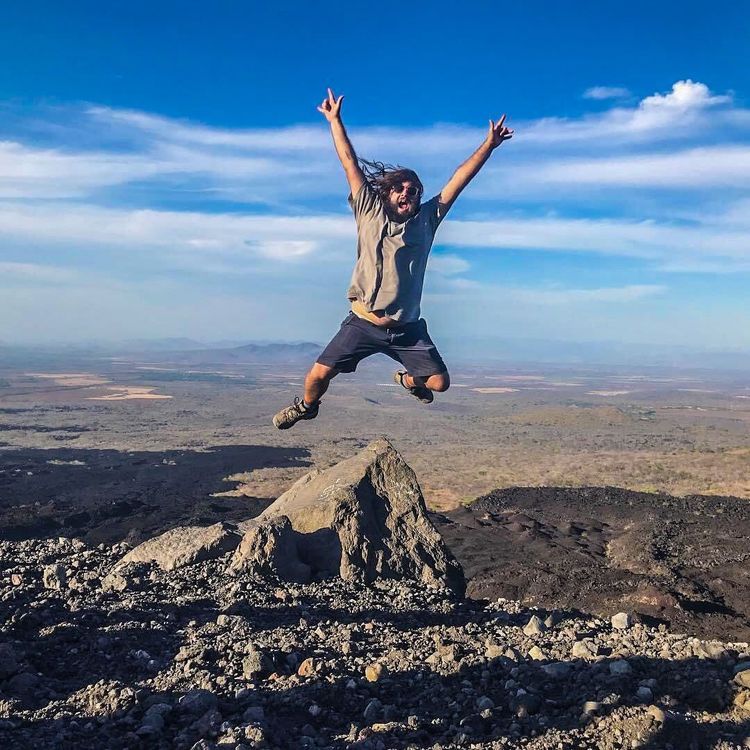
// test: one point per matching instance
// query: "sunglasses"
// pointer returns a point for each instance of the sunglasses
(411, 191)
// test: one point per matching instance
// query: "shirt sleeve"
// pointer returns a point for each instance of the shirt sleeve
(431, 214)
(366, 203)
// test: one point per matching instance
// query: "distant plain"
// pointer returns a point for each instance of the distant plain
(647, 429)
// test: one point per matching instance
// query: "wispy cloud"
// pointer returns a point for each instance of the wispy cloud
(661, 182)
(600, 93)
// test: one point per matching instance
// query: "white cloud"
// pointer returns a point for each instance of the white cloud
(490, 294)
(657, 117)
(684, 95)
(606, 92)
(448, 265)
(688, 169)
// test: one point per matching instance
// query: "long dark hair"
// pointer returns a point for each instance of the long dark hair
(383, 177)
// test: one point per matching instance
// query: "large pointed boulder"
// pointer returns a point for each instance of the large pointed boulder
(362, 519)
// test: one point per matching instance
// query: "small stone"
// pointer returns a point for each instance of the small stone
(525, 705)
(255, 734)
(620, 668)
(16, 579)
(644, 694)
(743, 678)
(254, 715)
(621, 621)
(198, 702)
(375, 672)
(657, 714)
(592, 707)
(373, 711)
(484, 703)
(585, 649)
(314, 710)
(309, 667)
(537, 654)
(534, 626)
(54, 577)
(493, 651)
(256, 664)
(557, 670)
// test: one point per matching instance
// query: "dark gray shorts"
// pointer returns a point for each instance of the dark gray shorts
(409, 344)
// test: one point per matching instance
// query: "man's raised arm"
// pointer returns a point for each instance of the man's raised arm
(331, 110)
(496, 134)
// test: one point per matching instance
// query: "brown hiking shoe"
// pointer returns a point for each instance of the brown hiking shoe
(288, 417)
(418, 391)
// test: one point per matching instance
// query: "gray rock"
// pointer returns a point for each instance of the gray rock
(127, 577)
(256, 664)
(585, 649)
(644, 694)
(373, 711)
(197, 702)
(254, 714)
(537, 654)
(620, 668)
(534, 626)
(365, 518)
(54, 577)
(269, 547)
(622, 621)
(185, 545)
(557, 670)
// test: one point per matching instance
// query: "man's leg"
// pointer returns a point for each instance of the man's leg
(317, 382)
(439, 382)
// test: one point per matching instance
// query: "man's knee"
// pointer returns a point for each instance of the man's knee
(440, 382)
(322, 372)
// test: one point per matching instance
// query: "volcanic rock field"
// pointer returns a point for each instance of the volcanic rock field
(346, 616)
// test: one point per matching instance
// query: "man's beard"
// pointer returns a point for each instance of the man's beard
(394, 215)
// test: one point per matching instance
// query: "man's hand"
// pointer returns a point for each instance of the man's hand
(497, 133)
(331, 107)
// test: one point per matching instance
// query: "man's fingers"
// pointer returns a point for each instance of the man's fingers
(500, 121)
(331, 97)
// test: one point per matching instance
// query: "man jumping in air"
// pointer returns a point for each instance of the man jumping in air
(395, 232)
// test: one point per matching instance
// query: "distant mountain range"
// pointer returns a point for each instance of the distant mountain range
(466, 351)
(249, 353)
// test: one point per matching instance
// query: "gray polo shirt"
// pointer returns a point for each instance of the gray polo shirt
(391, 256)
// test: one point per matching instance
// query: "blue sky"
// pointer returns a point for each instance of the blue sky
(164, 171)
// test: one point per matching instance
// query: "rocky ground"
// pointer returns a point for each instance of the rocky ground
(335, 619)
(677, 561)
(200, 658)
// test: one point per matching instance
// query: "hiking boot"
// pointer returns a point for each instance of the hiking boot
(288, 417)
(418, 391)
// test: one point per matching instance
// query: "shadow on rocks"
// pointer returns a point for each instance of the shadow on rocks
(566, 704)
(108, 495)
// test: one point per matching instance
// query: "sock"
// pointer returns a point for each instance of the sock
(306, 406)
